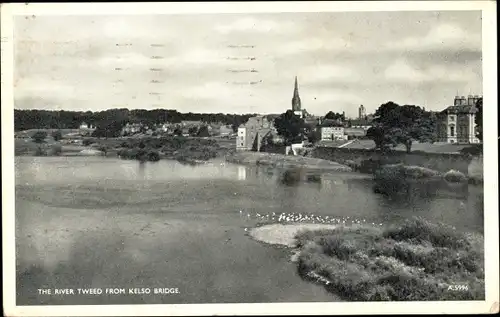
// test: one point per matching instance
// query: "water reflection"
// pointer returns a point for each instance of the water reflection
(242, 173)
(297, 176)
(218, 186)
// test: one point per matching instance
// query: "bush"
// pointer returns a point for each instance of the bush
(103, 149)
(40, 152)
(455, 176)
(57, 135)
(475, 149)
(56, 149)
(87, 142)
(153, 156)
(39, 136)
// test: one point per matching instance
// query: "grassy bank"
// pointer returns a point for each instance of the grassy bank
(416, 261)
(187, 150)
(396, 177)
(285, 161)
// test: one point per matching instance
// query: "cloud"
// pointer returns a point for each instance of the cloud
(402, 71)
(322, 73)
(43, 87)
(250, 24)
(314, 44)
(445, 36)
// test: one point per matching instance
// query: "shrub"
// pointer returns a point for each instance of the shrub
(87, 142)
(475, 149)
(56, 149)
(40, 151)
(455, 176)
(153, 156)
(57, 135)
(103, 149)
(39, 136)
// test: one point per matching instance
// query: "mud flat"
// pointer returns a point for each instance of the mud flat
(284, 235)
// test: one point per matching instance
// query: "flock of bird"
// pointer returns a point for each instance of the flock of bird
(305, 218)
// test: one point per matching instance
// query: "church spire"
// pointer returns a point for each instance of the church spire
(296, 106)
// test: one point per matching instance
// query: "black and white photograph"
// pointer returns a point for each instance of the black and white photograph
(324, 154)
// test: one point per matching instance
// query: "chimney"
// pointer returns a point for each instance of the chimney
(470, 100)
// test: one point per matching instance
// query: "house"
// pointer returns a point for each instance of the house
(363, 123)
(131, 128)
(85, 125)
(456, 124)
(332, 130)
(190, 123)
(225, 130)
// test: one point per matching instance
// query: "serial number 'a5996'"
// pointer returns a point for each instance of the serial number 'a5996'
(458, 287)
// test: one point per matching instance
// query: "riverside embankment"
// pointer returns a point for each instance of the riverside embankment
(285, 161)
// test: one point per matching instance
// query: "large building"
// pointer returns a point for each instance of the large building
(456, 124)
(296, 103)
(361, 112)
(252, 133)
(332, 130)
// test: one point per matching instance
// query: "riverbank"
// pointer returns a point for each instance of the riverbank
(285, 161)
(186, 150)
(417, 260)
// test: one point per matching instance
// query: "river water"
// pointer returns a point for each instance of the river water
(93, 222)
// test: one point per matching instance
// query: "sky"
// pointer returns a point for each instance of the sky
(194, 63)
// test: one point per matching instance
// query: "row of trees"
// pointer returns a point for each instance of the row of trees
(110, 119)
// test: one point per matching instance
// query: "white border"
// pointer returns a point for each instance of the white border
(490, 160)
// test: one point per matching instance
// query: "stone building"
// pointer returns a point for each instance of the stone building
(361, 112)
(456, 124)
(252, 133)
(332, 130)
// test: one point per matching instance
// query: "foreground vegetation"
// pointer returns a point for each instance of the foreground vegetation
(415, 261)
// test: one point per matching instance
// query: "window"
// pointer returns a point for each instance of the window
(452, 118)
(452, 131)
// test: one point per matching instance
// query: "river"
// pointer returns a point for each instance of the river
(93, 222)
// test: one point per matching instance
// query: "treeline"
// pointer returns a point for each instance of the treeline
(51, 119)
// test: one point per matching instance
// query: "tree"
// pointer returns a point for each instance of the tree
(57, 135)
(39, 137)
(111, 129)
(394, 124)
(378, 135)
(478, 120)
(193, 131)
(334, 116)
(313, 133)
(203, 131)
(290, 127)
(178, 131)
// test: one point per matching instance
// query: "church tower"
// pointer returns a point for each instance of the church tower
(296, 106)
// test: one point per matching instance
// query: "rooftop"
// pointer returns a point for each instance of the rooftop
(360, 122)
(460, 109)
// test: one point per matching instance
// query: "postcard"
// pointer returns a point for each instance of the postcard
(235, 158)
